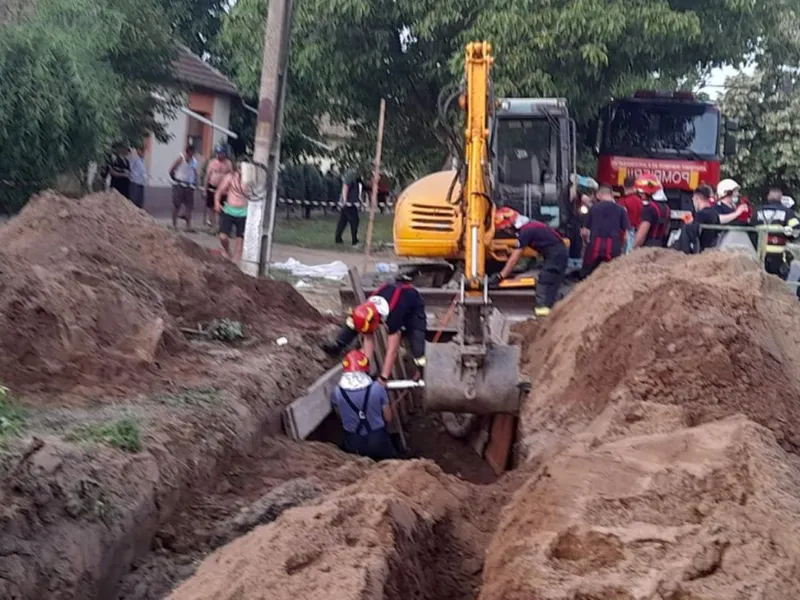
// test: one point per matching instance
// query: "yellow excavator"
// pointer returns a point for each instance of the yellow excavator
(519, 153)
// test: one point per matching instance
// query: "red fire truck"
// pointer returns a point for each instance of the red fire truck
(673, 135)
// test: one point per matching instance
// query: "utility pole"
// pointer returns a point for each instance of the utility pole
(274, 69)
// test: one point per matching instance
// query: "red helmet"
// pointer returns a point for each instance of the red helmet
(355, 361)
(366, 317)
(505, 217)
(649, 185)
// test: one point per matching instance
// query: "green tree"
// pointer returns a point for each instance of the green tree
(196, 22)
(355, 52)
(767, 106)
(238, 51)
(76, 75)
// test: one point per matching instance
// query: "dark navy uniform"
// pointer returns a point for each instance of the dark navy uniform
(658, 215)
(784, 221)
(607, 222)
(548, 242)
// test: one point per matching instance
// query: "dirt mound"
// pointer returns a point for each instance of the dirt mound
(95, 287)
(711, 333)
(406, 531)
(699, 514)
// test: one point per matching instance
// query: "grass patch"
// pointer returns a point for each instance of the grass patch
(203, 396)
(318, 231)
(123, 434)
(13, 417)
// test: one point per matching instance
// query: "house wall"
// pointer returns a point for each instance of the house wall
(160, 156)
(222, 116)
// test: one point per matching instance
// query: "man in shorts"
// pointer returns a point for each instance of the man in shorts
(184, 176)
(233, 216)
(217, 169)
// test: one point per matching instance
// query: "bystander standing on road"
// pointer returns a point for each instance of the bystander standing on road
(349, 202)
(233, 214)
(184, 176)
(218, 168)
(138, 177)
(119, 168)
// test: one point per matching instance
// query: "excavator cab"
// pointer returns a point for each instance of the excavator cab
(532, 144)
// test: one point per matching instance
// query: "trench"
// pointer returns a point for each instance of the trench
(255, 487)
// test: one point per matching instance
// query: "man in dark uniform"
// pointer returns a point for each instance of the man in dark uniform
(547, 242)
(402, 308)
(605, 231)
(653, 230)
(779, 216)
(349, 203)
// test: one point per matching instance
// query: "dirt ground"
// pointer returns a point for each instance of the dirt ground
(141, 457)
(658, 462)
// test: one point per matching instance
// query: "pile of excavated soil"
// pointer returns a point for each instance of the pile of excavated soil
(712, 333)
(700, 513)
(96, 289)
(663, 423)
(405, 531)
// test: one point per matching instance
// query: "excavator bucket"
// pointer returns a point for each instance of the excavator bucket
(496, 385)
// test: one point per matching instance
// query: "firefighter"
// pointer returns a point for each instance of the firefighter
(778, 214)
(544, 240)
(364, 411)
(653, 231)
(402, 308)
(605, 231)
(727, 196)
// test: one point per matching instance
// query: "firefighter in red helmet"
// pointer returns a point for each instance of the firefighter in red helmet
(400, 306)
(364, 411)
(653, 230)
(543, 239)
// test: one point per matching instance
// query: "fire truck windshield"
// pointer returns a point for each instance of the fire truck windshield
(661, 129)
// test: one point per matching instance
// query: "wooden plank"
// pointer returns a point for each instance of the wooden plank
(500, 441)
(308, 411)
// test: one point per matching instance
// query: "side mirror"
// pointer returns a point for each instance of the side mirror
(729, 148)
(731, 125)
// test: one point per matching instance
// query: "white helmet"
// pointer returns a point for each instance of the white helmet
(727, 187)
(787, 201)
(381, 304)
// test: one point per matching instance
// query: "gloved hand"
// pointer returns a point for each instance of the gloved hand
(494, 280)
(790, 232)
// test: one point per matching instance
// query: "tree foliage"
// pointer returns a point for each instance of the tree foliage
(75, 76)
(767, 106)
(238, 51)
(354, 52)
(196, 22)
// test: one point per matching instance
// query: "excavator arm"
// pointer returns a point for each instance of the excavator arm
(478, 373)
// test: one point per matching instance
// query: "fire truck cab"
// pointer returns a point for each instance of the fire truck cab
(673, 135)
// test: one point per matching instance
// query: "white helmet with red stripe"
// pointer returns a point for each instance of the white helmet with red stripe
(381, 304)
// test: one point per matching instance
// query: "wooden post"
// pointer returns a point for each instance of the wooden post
(376, 175)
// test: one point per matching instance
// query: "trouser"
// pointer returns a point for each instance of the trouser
(778, 264)
(599, 250)
(376, 445)
(137, 194)
(551, 275)
(630, 240)
(348, 215)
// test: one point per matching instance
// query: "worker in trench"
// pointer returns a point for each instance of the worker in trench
(547, 242)
(605, 231)
(400, 306)
(363, 409)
